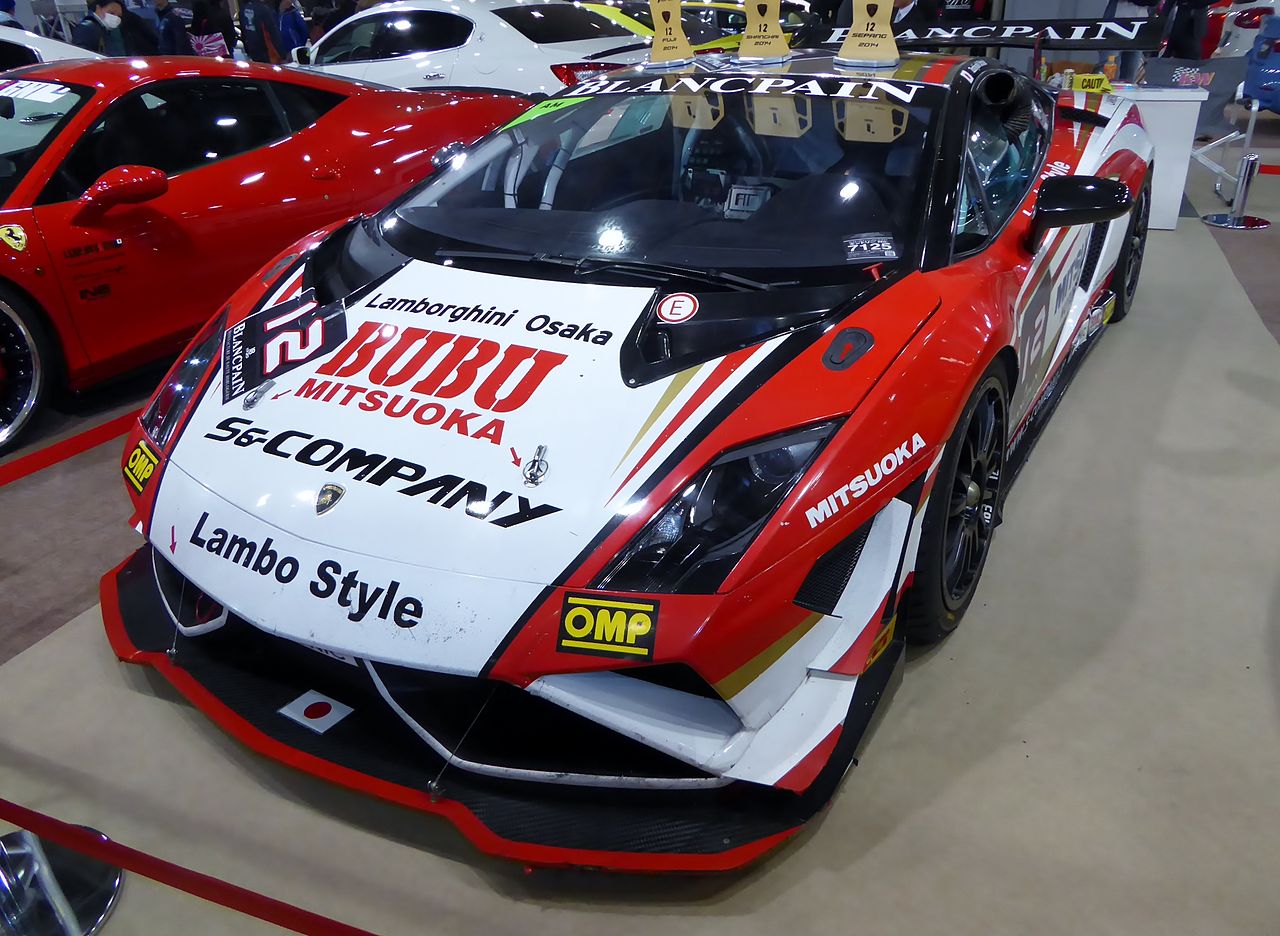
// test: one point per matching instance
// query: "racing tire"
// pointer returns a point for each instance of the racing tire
(28, 366)
(1129, 268)
(962, 514)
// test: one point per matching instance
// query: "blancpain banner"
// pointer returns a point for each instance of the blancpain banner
(471, 434)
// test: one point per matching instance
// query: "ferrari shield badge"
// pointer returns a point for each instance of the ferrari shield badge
(14, 236)
(328, 498)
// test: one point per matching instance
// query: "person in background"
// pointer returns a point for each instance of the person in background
(1190, 23)
(260, 32)
(140, 34)
(173, 31)
(145, 11)
(293, 28)
(7, 17)
(212, 32)
(99, 31)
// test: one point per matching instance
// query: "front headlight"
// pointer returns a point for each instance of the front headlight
(697, 539)
(165, 410)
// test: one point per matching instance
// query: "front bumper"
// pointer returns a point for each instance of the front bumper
(242, 677)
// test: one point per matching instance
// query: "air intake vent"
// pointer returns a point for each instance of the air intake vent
(830, 574)
(1093, 253)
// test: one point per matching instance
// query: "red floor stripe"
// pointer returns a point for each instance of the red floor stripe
(184, 879)
(52, 454)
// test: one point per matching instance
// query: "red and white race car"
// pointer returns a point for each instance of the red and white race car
(588, 494)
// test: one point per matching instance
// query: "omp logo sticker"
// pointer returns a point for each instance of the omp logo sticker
(608, 627)
(869, 479)
(140, 466)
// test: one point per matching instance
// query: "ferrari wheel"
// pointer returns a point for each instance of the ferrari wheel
(962, 515)
(1129, 269)
(25, 362)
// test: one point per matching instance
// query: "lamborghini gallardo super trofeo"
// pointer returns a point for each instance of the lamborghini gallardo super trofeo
(588, 494)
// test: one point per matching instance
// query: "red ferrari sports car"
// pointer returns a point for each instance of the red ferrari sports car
(138, 195)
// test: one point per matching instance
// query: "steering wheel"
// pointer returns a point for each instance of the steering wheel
(748, 147)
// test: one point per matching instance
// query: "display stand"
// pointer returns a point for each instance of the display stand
(1170, 116)
(1202, 154)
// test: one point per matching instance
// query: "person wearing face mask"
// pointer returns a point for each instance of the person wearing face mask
(99, 31)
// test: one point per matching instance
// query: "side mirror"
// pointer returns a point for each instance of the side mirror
(1066, 201)
(301, 55)
(123, 185)
(445, 154)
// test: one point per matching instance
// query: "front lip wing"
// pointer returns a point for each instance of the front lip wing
(373, 752)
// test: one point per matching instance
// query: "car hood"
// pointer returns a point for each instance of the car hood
(475, 423)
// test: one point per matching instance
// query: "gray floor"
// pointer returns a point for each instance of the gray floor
(1097, 750)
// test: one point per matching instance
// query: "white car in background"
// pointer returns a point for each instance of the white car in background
(528, 46)
(19, 47)
(1240, 25)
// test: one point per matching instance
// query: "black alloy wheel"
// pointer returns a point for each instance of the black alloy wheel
(24, 367)
(962, 514)
(1132, 252)
(975, 499)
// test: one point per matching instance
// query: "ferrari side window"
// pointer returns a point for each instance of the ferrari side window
(303, 106)
(175, 127)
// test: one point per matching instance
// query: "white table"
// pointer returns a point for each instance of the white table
(1171, 115)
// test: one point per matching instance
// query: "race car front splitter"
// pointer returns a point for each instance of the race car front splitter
(248, 682)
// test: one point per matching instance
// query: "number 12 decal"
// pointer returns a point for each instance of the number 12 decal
(274, 341)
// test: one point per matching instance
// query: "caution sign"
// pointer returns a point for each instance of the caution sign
(670, 44)
(870, 42)
(612, 627)
(763, 40)
(1092, 84)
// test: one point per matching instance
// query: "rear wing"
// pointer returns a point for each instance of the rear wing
(1114, 34)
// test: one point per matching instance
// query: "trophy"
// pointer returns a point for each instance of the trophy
(870, 43)
(763, 40)
(670, 45)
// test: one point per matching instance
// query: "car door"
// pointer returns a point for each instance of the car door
(241, 187)
(1005, 148)
(347, 48)
(419, 48)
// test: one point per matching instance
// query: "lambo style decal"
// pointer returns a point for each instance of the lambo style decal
(600, 626)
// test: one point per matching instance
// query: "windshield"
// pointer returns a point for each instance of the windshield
(31, 114)
(725, 173)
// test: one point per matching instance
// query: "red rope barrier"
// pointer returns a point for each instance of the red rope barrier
(184, 879)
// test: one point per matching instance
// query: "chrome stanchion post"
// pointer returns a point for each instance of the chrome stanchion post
(1237, 220)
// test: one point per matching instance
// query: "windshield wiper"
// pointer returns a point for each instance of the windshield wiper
(585, 266)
